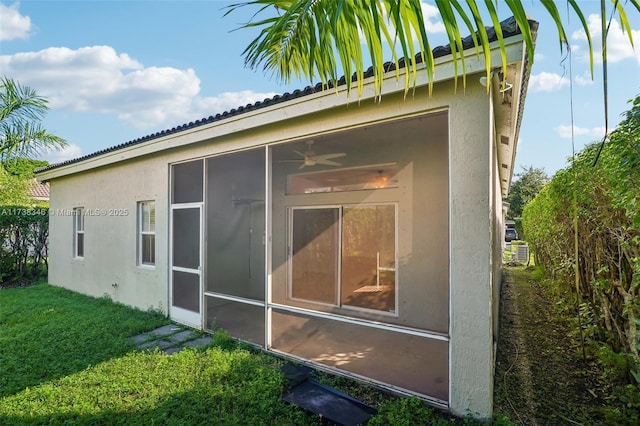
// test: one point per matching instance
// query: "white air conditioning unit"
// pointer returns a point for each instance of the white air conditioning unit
(522, 253)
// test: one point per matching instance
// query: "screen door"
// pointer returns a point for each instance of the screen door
(186, 265)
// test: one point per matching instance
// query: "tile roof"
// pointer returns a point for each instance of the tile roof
(39, 190)
(509, 29)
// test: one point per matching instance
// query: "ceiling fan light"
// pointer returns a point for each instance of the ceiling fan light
(380, 180)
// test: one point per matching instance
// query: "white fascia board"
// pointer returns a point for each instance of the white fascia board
(516, 114)
(297, 107)
(508, 124)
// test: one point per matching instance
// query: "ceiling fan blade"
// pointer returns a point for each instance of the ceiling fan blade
(300, 154)
(329, 156)
(302, 165)
(327, 162)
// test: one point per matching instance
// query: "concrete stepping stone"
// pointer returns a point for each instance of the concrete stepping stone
(203, 341)
(181, 336)
(162, 344)
(170, 338)
(166, 330)
(141, 338)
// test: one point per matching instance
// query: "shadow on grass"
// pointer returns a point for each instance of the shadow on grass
(212, 386)
(47, 332)
(193, 407)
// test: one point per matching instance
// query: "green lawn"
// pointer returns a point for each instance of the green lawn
(67, 359)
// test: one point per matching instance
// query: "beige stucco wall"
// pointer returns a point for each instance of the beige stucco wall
(109, 266)
(470, 181)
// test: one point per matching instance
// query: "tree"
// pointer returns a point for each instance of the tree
(21, 133)
(23, 167)
(305, 36)
(525, 188)
(14, 190)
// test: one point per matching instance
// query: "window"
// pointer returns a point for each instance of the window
(78, 232)
(147, 233)
(344, 256)
(352, 179)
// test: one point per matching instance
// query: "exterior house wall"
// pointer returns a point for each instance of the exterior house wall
(109, 267)
(457, 218)
(110, 253)
(471, 149)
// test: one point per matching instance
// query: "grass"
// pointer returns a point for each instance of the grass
(47, 333)
(541, 377)
(66, 358)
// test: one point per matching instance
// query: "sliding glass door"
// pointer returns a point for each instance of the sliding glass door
(344, 255)
(315, 250)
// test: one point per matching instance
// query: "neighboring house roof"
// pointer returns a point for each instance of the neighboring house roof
(509, 29)
(39, 190)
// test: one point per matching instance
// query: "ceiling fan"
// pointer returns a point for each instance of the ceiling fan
(309, 157)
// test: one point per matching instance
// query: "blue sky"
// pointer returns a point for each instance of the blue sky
(114, 71)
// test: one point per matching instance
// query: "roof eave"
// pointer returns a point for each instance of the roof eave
(306, 102)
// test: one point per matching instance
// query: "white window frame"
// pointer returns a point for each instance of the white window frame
(142, 233)
(78, 230)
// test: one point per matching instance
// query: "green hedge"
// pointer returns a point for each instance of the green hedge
(607, 202)
(24, 234)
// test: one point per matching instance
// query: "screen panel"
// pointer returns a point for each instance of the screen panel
(186, 291)
(186, 238)
(235, 221)
(242, 320)
(187, 182)
(415, 363)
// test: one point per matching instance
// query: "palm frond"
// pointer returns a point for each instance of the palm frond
(27, 139)
(20, 102)
(317, 38)
(21, 111)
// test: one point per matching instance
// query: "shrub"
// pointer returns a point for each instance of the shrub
(24, 236)
(598, 196)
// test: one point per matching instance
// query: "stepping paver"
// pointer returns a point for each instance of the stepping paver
(166, 330)
(203, 341)
(141, 338)
(162, 344)
(171, 338)
(181, 336)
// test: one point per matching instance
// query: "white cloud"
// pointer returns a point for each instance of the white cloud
(12, 24)
(228, 100)
(584, 80)
(564, 131)
(618, 46)
(547, 82)
(432, 22)
(99, 79)
(431, 15)
(69, 153)
(538, 57)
